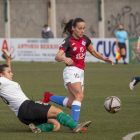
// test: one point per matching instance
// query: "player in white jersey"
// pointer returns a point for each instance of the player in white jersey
(39, 116)
(135, 80)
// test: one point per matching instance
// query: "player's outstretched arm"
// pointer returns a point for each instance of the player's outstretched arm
(138, 45)
(8, 57)
(98, 55)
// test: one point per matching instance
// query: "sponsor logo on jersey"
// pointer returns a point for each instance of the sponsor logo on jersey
(81, 49)
(80, 56)
(83, 43)
(75, 48)
(73, 43)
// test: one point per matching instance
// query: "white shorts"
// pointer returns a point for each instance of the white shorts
(73, 74)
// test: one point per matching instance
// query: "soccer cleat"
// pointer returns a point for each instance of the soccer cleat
(134, 81)
(80, 127)
(34, 129)
(131, 85)
(47, 96)
(84, 129)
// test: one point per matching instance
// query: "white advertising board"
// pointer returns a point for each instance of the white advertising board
(45, 50)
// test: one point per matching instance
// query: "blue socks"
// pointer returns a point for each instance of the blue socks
(75, 110)
(75, 107)
(59, 100)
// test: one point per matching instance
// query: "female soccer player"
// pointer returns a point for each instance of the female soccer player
(135, 80)
(74, 46)
(121, 36)
(39, 116)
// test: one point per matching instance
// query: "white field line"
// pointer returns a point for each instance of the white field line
(129, 136)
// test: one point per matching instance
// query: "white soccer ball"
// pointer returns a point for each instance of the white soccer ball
(112, 104)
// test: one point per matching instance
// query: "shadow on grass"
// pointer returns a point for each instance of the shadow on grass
(3, 130)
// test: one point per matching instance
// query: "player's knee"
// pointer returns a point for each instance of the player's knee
(53, 112)
(56, 127)
(57, 111)
(80, 97)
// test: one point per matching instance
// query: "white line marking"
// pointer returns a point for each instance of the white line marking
(129, 136)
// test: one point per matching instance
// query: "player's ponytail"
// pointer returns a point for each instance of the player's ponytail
(67, 27)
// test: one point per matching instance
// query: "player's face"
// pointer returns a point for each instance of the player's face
(79, 30)
(7, 73)
(120, 27)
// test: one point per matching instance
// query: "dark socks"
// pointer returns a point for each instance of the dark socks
(137, 80)
(123, 56)
(116, 61)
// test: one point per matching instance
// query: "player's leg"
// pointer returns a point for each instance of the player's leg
(54, 98)
(51, 125)
(55, 123)
(35, 113)
(123, 52)
(76, 90)
(65, 119)
(71, 98)
(133, 82)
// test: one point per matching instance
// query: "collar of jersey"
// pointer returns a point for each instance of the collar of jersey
(76, 39)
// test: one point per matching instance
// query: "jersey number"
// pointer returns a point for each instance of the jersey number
(76, 75)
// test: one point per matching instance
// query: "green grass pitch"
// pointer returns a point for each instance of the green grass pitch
(101, 81)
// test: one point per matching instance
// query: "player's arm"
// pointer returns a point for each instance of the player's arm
(117, 41)
(126, 36)
(98, 55)
(138, 45)
(8, 58)
(60, 58)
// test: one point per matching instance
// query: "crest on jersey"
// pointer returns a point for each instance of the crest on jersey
(82, 49)
(75, 48)
(83, 43)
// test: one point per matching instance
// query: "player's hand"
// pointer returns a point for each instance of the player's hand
(7, 56)
(108, 60)
(138, 49)
(68, 61)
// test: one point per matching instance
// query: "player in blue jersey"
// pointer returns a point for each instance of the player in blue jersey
(135, 80)
(74, 46)
(121, 36)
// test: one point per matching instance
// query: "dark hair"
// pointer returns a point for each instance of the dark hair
(120, 24)
(2, 67)
(67, 26)
(45, 25)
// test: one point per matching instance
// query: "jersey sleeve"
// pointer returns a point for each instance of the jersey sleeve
(126, 33)
(65, 44)
(88, 41)
(3, 82)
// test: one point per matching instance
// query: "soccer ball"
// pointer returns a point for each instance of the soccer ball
(112, 104)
